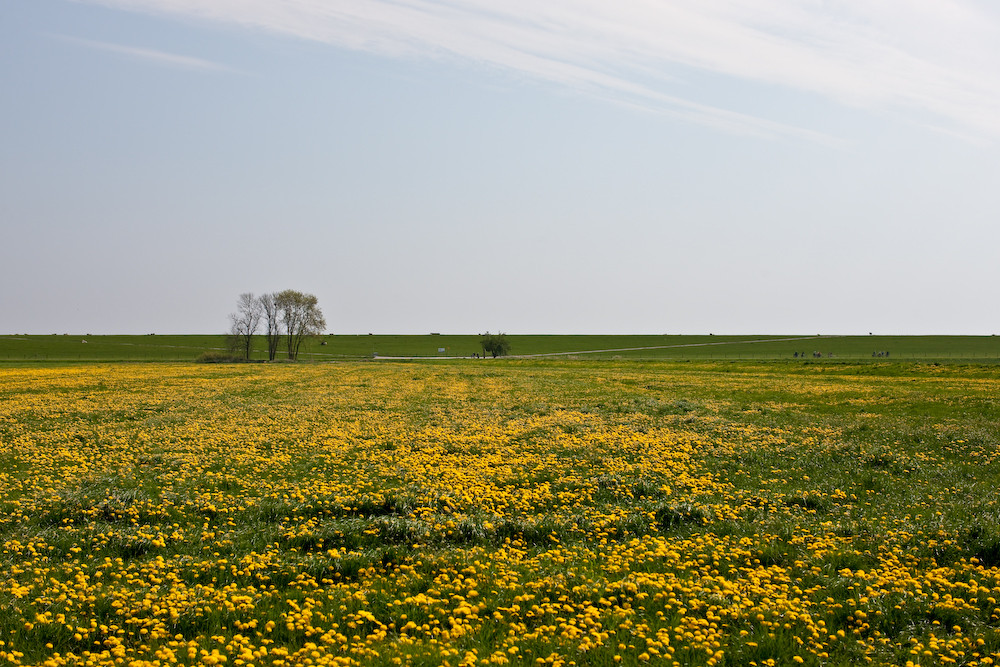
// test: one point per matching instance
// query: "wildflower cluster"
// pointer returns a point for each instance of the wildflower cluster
(530, 513)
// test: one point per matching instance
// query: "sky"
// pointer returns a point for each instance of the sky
(458, 166)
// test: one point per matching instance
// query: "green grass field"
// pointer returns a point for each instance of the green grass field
(831, 348)
(532, 512)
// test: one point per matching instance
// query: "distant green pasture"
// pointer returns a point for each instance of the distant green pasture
(68, 348)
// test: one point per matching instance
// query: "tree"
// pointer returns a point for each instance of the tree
(272, 324)
(300, 316)
(244, 323)
(495, 345)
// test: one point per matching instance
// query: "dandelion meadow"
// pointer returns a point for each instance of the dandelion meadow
(480, 513)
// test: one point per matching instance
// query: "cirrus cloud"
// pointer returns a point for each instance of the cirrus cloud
(151, 55)
(933, 62)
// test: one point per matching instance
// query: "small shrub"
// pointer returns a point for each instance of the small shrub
(216, 357)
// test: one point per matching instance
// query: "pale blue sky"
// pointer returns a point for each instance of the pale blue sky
(689, 166)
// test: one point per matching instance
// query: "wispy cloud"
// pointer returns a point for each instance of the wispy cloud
(153, 55)
(931, 61)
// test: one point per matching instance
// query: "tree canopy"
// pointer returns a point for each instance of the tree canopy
(300, 316)
(495, 345)
(289, 313)
(243, 324)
